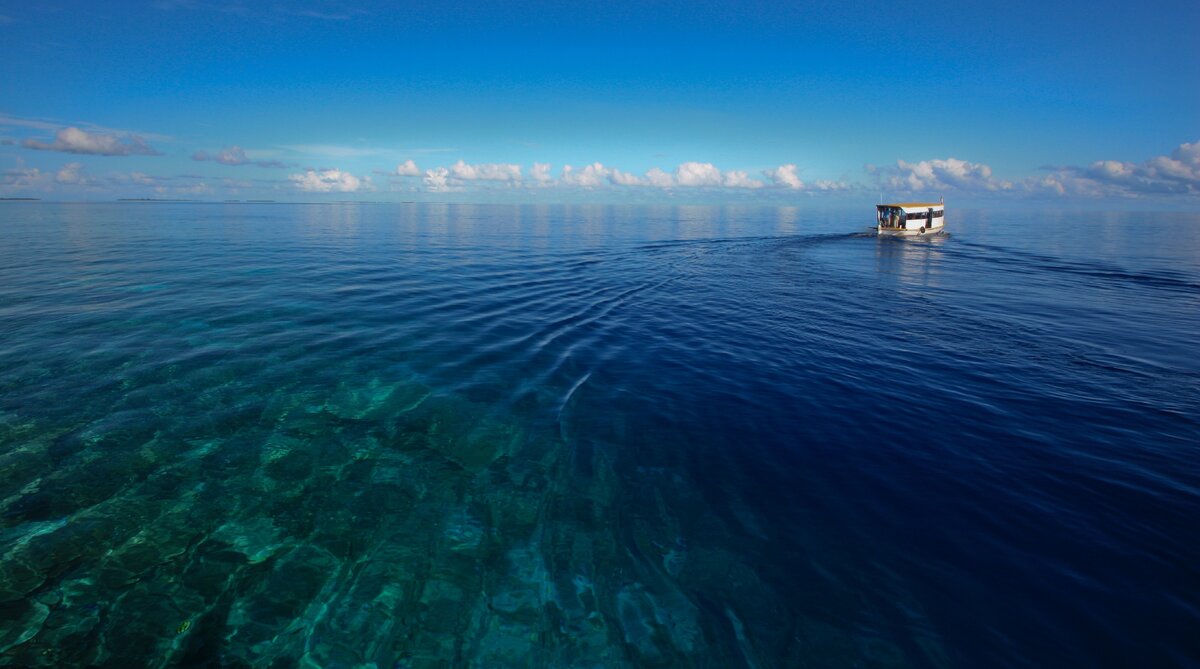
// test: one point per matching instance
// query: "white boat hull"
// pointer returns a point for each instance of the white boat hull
(915, 232)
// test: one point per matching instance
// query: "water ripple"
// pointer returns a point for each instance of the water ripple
(579, 436)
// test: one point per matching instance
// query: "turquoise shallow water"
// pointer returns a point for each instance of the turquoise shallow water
(452, 435)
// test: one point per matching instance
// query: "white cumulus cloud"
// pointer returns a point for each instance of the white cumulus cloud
(619, 178)
(328, 181)
(784, 176)
(588, 176)
(691, 174)
(941, 175)
(659, 179)
(739, 179)
(541, 173)
(698, 174)
(436, 180)
(486, 171)
(408, 168)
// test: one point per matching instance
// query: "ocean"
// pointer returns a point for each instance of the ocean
(435, 435)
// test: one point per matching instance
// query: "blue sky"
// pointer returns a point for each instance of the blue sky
(310, 99)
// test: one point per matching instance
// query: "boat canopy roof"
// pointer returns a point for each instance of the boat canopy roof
(911, 205)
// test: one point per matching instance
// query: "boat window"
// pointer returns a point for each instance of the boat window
(923, 215)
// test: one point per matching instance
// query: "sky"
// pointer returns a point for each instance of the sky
(773, 102)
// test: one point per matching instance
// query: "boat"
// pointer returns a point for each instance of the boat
(910, 219)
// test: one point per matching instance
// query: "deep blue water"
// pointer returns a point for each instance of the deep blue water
(440, 436)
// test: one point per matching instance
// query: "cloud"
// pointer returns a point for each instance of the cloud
(35, 123)
(1174, 174)
(588, 176)
(329, 181)
(436, 180)
(69, 176)
(408, 169)
(739, 179)
(659, 179)
(142, 179)
(690, 174)
(541, 173)
(453, 178)
(827, 185)
(51, 125)
(619, 178)
(174, 186)
(74, 140)
(24, 178)
(72, 174)
(235, 155)
(73, 179)
(948, 174)
(698, 174)
(195, 189)
(486, 171)
(1183, 163)
(784, 176)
